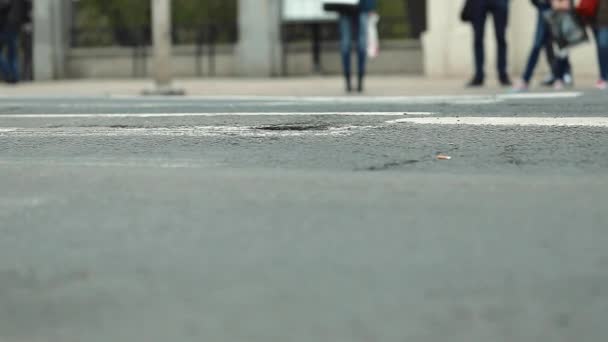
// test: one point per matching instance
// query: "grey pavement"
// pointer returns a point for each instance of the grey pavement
(202, 223)
(376, 85)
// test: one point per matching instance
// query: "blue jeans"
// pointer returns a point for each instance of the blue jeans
(541, 39)
(9, 64)
(350, 23)
(601, 38)
(499, 9)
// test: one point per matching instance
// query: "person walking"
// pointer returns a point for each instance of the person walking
(551, 80)
(12, 14)
(355, 21)
(601, 37)
(479, 11)
(542, 40)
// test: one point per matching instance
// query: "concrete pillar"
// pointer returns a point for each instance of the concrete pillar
(259, 47)
(435, 54)
(51, 20)
(161, 26)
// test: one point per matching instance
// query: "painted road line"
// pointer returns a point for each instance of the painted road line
(68, 104)
(540, 96)
(171, 115)
(431, 99)
(185, 131)
(509, 121)
(212, 101)
(158, 163)
(368, 99)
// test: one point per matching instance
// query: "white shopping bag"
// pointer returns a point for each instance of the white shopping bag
(341, 2)
(373, 38)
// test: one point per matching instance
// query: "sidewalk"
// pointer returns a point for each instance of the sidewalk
(306, 86)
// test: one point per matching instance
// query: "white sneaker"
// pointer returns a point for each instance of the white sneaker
(568, 80)
(520, 87)
(601, 85)
(558, 85)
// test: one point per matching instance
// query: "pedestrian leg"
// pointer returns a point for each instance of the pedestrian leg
(602, 48)
(362, 49)
(346, 47)
(500, 14)
(479, 27)
(12, 58)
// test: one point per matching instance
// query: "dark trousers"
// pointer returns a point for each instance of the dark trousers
(601, 38)
(8, 61)
(542, 39)
(499, 9)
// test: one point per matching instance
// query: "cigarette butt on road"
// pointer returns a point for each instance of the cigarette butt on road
(443, 157)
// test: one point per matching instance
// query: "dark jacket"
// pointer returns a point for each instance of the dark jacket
(367, 5)
(12, 15)
(542, 4)
(602, 14)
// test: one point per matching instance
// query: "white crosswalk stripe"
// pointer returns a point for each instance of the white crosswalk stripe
(177, 115)
(509, 121)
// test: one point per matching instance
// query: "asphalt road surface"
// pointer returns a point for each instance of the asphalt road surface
(304, 219)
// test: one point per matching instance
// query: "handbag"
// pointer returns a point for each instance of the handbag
(468, 11)
(567, 28)
(588, 8)
(373, 37)
(341, 5)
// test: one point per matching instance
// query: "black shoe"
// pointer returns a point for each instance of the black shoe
(475, 83)
(505, 81)
(349, 85)
(549, 81)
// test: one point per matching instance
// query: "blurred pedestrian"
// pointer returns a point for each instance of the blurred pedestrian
(476, 12)
(601, 37)
(567, 31)
(353, 20)
(542, 40)
(12, 14)
(26, 41)
(551, 80)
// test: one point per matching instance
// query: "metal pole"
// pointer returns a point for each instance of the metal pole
(161, 31)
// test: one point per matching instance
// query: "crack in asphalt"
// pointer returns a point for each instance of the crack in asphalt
(391, 165)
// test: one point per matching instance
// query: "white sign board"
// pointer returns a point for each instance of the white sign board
(306, 10)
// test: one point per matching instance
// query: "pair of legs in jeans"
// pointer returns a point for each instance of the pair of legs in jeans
(499, 9)
(601, 38)
(9, 61)
(351, 23)
(560, 64)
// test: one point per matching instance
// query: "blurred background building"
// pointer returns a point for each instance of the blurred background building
(112, 38)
